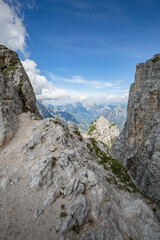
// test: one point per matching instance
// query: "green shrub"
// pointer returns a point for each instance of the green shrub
(155, 60)
(32, 147)
(75, 229)
(63, 214)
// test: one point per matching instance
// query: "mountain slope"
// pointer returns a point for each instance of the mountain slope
(103, 131)
(55, 184)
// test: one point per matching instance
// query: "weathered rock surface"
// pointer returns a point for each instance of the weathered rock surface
(102, 130)
(56, 185)
(16, 93)
(138, 146)
(68, 187)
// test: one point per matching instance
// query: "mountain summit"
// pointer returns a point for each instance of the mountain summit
(102, 130)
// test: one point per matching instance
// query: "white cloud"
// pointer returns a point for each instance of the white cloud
(43, 88)
(99, 84)
(109, 84)
(76, 79)
(13, 32)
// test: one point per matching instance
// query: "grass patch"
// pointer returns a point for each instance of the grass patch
(75, 229)
(63, 206)
(113, 139)
(20, 85)
(112, 125)
(77, 132)
(89, 147)
(112, 164)
(86, 175)
(80, 138)
(91, 129)
(53, 162)
(63, 214)
(7, 70)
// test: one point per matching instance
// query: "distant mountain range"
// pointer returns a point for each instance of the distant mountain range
(84, 113)
(49, 112)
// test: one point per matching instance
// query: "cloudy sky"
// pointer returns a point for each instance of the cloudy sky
(76, 50)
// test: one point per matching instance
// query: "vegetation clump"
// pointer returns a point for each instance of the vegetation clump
(20, 85)
(75, 229)
(89, 147)
(63, 214)
(155, 60)
(80, 138)
(113, 139)
(86, 175)
(77, 132)
(53, 162)
(91, 129)
(7, 70)
(113, 165)
(63, 206)
(32, 147)
(112, 125)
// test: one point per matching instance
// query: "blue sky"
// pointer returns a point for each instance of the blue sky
(82, 50)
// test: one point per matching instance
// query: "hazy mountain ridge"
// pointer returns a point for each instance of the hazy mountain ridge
(43, 109)
(50, 112)
(85, 113)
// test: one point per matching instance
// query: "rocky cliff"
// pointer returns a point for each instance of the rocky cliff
(102, 130)
(54, 184)
(138, 146)
(16, 93)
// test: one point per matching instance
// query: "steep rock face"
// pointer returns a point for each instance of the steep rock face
(102, 130)
(138, 146)
(16, 93)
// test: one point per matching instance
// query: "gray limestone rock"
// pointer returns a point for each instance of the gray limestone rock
(102, 130)
(138, 146)
(16, 93)
(95, 202)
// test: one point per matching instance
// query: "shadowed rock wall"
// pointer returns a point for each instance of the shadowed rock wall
(138, 146)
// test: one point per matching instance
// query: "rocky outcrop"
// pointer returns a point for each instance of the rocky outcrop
(138, 146)
(57, 185)
(16, 93)
(102, 130)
